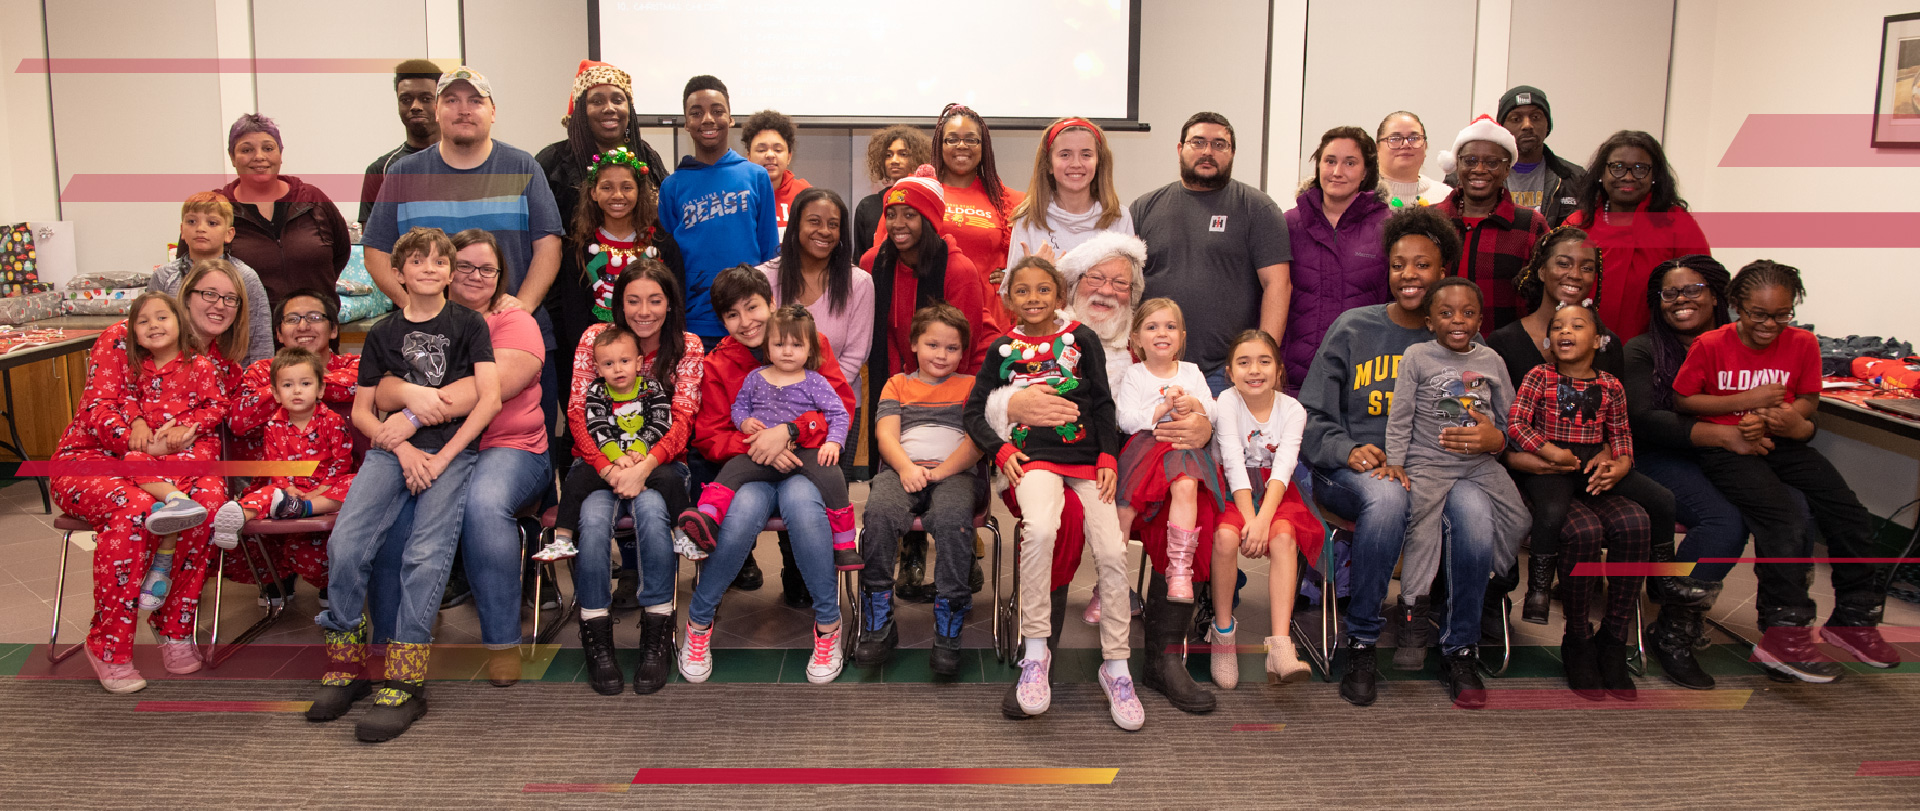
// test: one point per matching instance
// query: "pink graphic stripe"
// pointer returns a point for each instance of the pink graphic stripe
(1889, 768)
(341, 188)
(165, 469)
(1598, 569)
(1810, 140)
(873, 777)
(205, 65)
(1824, 229)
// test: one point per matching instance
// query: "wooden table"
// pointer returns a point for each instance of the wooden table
(47, 340)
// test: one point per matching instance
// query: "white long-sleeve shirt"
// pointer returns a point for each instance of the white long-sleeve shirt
(1140, 393)
(1242, 443)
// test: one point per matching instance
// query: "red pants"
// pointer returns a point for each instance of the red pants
(304, 554)
(117, 510)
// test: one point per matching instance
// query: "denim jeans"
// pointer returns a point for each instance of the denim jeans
(1378, 508)
(1714, 526)
(504, 480)
(379, 493)
(653, 537)
(796, 500)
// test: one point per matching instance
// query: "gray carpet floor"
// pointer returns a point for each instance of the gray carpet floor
(65, 744)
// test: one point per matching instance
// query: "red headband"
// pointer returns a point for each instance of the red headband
(1069, 123)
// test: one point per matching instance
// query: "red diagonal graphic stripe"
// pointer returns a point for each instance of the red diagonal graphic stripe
(341, 188)
(871, 777)
(206, 65)
(1810, 140)
(1824, 229)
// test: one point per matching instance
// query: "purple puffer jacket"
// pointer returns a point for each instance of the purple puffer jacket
(1334, 270)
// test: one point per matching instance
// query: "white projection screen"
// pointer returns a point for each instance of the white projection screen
(885, 61)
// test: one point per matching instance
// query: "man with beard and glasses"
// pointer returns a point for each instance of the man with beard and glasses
(413, 83)
(1105, 278)
(1216, 246)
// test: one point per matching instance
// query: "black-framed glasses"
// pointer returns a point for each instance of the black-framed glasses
(1690, 292)
(482, 271)
(1619, 170)
(294, 319)
(1404, 140)
(1203, 145)
(211, 297)
(1782, 319)
(1472, 162)
(960, 140)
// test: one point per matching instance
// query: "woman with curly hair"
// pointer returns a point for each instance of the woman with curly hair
(892, 153)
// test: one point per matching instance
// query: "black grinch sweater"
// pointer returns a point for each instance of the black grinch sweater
(1072, 363)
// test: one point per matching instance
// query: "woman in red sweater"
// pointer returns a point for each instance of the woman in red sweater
(1631, 208)
(979, 207)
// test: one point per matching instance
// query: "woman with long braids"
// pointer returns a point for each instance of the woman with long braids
(1687, 297)
(599, 117)
(979, 213)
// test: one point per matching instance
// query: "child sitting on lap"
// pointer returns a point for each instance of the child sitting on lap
(627, 413)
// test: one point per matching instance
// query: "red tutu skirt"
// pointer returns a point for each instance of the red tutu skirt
(1307, 532)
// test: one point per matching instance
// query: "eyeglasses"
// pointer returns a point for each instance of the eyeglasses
(1404, 140)
(211, 297)
(1690, 292)
(482, 271)
(958, 140)
(1472, 162)
(1620, 170)
(1115, 284)
(1203, 145)
(1762, 318)
(294, 319)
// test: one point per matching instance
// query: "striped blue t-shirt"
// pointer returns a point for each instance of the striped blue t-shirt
(506, 195)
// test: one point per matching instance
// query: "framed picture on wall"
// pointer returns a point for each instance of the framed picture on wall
(1896, 105)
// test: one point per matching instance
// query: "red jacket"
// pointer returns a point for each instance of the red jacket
(308, 249)
(724, 369)
(790, 187)
(964, 288)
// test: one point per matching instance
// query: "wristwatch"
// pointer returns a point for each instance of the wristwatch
(793, 432)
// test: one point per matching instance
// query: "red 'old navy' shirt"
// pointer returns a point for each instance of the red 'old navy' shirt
(1720, 365)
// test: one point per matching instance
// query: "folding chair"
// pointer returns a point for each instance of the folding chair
(537, 533)
(1320, 653)
(982, 519)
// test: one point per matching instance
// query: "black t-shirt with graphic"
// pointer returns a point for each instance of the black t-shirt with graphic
(433, 353)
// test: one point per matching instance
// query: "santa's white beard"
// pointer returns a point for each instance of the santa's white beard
(1113, 328)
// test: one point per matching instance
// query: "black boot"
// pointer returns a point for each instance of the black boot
(1670, 638)
(1360, 684)
(656, 652)
(1460, 672)
(1539, 602)
(1614, 675)
(1676, 590)
(603, 671)
(793, 587)
(1581, 661)
(1010, 704)
(1415, 634)
(386, 721)
(949, 618)
(749, 578)
(878, 634)
(911, 583)
(1165, 670)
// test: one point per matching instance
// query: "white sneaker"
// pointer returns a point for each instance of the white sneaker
(685, 547)
(180, 656)
(176, 515)
(696, 654)
(226, 525)
(556, 549)
(825, 665)
(1122, 702)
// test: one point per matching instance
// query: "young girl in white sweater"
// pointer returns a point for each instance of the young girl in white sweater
(1256, 437)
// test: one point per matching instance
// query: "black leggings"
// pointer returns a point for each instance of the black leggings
(830, 481)
(1551, 495)
(583, 481)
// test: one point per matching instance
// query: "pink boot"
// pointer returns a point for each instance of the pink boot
(702, 523)
(1181, 543)
(846, 554)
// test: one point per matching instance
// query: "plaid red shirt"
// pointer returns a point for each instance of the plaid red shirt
(1552, 407)
(1494, 251)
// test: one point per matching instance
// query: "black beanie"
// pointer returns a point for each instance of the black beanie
(1524, 95)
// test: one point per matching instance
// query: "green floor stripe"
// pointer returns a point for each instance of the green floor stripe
(12, 656)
